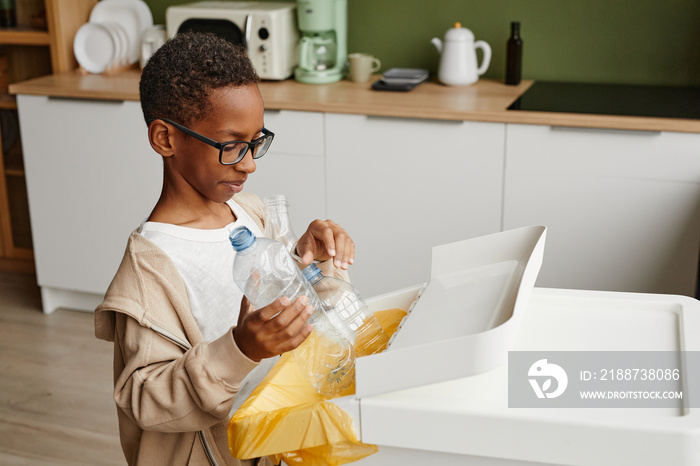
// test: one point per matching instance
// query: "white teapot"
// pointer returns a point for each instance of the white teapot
(458, 57)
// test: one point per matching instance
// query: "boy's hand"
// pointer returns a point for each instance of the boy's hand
(326, 239)
(274, 329)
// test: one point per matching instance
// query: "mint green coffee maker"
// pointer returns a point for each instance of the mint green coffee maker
(323, 47)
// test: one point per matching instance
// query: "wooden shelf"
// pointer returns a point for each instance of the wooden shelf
(16, 172)
(24, 264)
(24, 36)
(8, 101)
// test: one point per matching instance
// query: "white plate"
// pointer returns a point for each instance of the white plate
(142, 10)
(123, 42)
(94, 47)
(133, 15)
(119, 48)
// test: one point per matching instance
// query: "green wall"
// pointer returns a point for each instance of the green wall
(606, 41)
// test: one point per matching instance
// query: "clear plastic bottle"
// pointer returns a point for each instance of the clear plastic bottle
(264, 271)
(278, 226)
(348, 312)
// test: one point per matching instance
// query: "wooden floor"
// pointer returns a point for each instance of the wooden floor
(56, 404)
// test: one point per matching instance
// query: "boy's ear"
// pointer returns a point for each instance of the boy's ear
(160, 135)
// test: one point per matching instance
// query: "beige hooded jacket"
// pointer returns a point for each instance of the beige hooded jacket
(173, 390)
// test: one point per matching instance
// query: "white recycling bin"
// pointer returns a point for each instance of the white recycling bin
(439, 393)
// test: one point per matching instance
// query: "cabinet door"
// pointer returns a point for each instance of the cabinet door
(622, 208)
(294, 165)
(92, 178)
(401, 186)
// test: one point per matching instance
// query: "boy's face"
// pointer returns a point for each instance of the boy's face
(237, 115)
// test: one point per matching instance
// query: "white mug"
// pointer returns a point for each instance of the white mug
(362, 65)
(152, 39)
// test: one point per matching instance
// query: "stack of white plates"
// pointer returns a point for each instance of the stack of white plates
(112, 37)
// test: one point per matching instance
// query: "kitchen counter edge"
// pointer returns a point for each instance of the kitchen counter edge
(485, 101)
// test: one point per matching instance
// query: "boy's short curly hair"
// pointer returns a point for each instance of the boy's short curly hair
(178, 78)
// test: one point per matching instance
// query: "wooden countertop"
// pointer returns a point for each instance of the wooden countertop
(487, 100)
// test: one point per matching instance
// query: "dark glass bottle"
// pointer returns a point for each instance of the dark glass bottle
(8, 16)
(514, 55)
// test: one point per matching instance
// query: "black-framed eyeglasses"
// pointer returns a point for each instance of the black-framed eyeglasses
(232, 152)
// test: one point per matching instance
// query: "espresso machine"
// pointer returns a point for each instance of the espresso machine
(323, 47)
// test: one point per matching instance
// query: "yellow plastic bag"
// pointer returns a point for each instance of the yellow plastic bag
(284, 417)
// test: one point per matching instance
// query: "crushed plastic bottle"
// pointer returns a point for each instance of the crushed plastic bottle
(264, 271)
(348, 312)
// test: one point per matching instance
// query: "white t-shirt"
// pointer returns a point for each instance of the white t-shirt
(204, 259)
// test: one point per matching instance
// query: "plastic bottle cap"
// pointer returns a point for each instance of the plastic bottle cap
(241, 238)
(458, 25)
(311, 272)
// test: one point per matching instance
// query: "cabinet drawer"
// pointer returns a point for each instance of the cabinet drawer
(622, 208)
(296, 133)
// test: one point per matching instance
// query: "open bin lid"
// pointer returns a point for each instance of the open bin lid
(466, 319)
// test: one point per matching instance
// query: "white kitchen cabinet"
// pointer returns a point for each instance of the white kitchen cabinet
(622, 207)
(294, 165)
(92, 178)
(401, 186)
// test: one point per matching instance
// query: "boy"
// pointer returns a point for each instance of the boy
(181, 347)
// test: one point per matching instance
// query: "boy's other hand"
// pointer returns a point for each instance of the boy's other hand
(326, 239)
(274, 329)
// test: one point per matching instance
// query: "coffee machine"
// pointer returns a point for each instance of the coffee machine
(323, 47)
